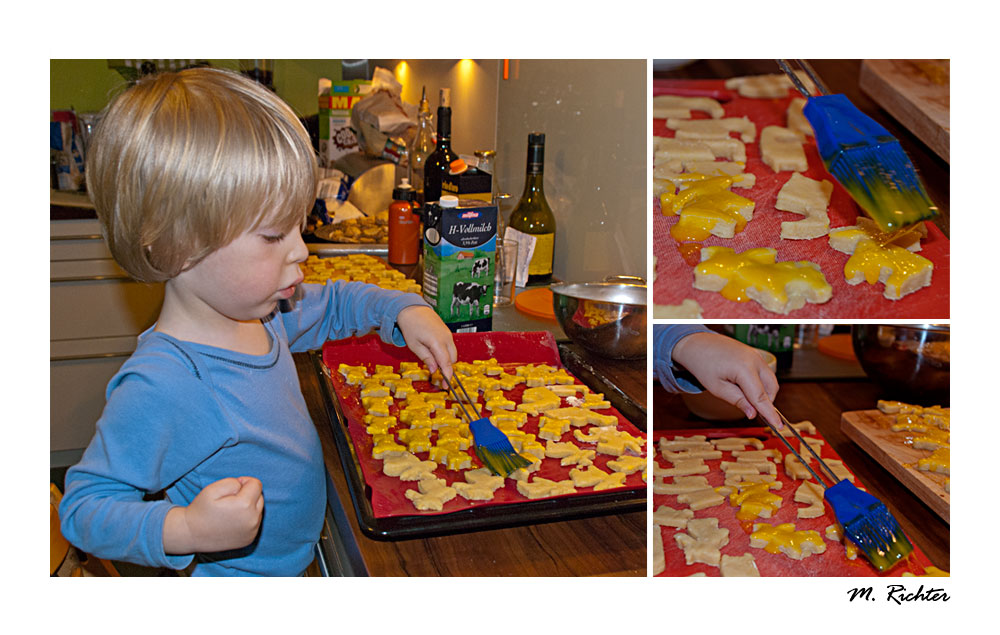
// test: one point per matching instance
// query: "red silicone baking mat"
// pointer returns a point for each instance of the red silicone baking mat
(675, 277)
(831, 563)
(387, 494)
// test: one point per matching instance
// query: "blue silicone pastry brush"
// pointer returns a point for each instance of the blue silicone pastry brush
(865, 519)
(492, 446)
(864, 157)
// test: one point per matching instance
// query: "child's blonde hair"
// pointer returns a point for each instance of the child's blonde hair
(183, 163)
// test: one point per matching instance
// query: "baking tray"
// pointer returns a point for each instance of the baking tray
(831, 563)
(476, 518)
(675, 278)
(601, 378)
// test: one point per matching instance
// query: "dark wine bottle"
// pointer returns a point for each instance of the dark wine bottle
(532, 214)
(439, 161)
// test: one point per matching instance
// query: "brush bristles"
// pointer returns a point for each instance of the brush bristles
(883, 181)
(880, 537)
(494, 449)
(501, 463)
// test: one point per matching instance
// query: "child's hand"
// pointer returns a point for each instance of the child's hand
(732, 371)
(224, 515)
(428, 337)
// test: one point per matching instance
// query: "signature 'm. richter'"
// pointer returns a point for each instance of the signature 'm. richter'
(897, 593)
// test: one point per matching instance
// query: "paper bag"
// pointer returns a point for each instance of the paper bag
(383, 122)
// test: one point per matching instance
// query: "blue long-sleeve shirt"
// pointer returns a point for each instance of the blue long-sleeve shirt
(180, 416)
(665, 337)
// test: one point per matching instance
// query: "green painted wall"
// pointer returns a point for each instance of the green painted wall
(88, 85)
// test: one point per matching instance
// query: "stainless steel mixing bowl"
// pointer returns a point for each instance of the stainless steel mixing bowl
(911, 362)
(607, 318)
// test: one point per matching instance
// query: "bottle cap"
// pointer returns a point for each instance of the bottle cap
(445, 96)
(448, 200)
(536, 138)
(457, 166)
(403, 191)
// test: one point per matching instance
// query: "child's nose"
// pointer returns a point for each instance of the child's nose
(298, 252)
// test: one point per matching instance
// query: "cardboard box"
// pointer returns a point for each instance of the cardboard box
(336, 138)
(459, 263)
(471, 184)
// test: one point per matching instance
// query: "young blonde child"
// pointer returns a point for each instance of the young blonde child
(730, 370)
(202, 179)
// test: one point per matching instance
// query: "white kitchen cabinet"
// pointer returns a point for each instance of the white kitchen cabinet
(96, 312)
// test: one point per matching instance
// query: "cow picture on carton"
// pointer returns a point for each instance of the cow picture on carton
(468, 294)
(459, 257)
(480, 267)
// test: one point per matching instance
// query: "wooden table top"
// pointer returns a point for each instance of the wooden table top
(841, 76)
(613, 545)
(822, 403)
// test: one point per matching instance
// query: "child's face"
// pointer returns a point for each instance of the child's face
(245, 279)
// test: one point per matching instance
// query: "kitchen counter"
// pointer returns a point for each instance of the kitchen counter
(612, 545)
(822, 402)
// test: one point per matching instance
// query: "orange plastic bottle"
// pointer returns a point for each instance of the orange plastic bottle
(404, 226)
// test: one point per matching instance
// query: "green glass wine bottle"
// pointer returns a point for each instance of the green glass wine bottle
(532, 214)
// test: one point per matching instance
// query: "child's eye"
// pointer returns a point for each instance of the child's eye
(277, 238)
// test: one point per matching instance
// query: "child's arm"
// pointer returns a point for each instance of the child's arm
(341, 309)
(428, 337)
(726, 368)
(665, 337)
(147, 439)
(225, 515)
(732, 371)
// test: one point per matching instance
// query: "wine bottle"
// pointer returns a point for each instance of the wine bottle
(438, 162)
(532, 214)
(422, 147)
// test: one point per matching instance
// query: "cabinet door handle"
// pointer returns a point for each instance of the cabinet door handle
(90, 278)
(74, 358)
(80, 237)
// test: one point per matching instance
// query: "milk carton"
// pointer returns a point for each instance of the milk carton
(336, 137)
(459, 259)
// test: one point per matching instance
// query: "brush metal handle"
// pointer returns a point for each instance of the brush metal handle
(798, 436)
(814, 76)
(799, 86)
(792, 450)
(457, 397)
(805, 66)
(462, 387)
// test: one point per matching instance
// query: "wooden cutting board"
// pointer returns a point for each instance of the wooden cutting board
(870, 430)
(917, 93)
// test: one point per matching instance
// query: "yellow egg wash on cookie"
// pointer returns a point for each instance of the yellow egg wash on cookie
(939, 461)
(755, 500)
(869, 260)
(785, 539)
(757, 269)
(706, 207)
